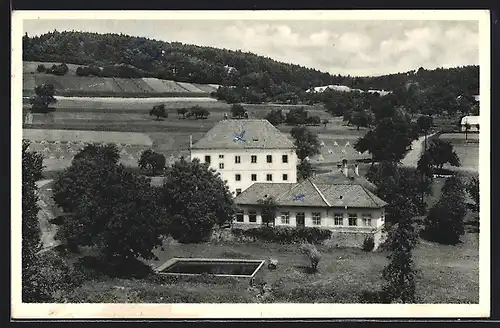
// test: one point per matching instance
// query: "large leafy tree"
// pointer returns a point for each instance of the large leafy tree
(306, 142)
(238, 111)
(152, 161)
(304, 170)
(390, 140)
(159, 111)
(441, 152)
(275, 117)
(445, 221)
(424, 123)
(268, 208)
(43, 98)
(101, 201)
(196, 199)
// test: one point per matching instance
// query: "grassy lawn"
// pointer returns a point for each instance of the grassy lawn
(344, 274)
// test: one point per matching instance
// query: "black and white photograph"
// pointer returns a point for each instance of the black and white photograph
(250, 164)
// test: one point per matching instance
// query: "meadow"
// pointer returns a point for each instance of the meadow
(467, 150)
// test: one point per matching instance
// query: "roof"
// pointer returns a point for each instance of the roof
(337, 177)
(310, 194)
(472, 120)
(244, 134)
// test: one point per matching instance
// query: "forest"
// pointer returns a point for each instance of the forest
(249, 78)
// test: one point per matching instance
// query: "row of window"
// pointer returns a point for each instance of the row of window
(338, 218)
(253, 159)
(269, 177)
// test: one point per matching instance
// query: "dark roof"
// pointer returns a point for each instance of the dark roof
(309, 193)
(257, 134)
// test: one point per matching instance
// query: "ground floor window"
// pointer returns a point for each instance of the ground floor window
(285, 217)
(353, 218)
(252, 216)
(316, 218)
(239, 216)
(338, 219)
(300, 219)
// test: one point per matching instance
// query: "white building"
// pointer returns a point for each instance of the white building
(248, 151)
(473, 122)
(340, 202)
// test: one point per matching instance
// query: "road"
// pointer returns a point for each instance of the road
(412, 157)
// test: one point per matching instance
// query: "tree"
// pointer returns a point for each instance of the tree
(41, 68)
(312, 254)
(44, 96)
(198, 112)
(182, 111)
(158, 111)
(306, 142)
(325, 122)
(441, 152)
(445, 221)
(268, 207)
(313, 120)
(390, 140)
(473, 190)
(107, 153)
(400, 273)
(360, 118)
(31, 172)
(424, 123)
(60, 69)
(305, 170)
(83, 71)
(102, 200)
(296, 116)
(275, 117)
(467, 127)
(152, 161)
(237, 111)
(195, 199)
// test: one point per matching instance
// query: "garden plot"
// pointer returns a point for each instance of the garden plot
(143, 86)
(155, 84)
(127, 85)
(335, 148)
(208, 88)
(48, 78)
(172, 86)
(189, 87)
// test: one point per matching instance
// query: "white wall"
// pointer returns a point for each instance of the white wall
(327, 217)
(245, 168)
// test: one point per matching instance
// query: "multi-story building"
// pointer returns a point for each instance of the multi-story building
(247, 151)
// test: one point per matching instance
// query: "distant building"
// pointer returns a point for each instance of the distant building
(340, 202)
(248, 151)
(473, 122)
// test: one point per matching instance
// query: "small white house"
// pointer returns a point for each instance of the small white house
(473, 122)
(344, 206)
(247, 151)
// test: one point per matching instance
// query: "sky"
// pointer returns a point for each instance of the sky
(356, 48)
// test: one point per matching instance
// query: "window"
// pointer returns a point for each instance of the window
(239, 216)
(269, 158)
(238, 191)
(253, 159)
(353, 217)
(254, 177)
(221, 156)
(367, 219)
(237, 177)
(285, 177)
(252, 216)
(237, 159)
(316, 218)
(207, 159)
(269, 177)
(284, 158)
(221, 166)
(338, 219)
(285, 217)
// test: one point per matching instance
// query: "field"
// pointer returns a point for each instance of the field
(344, 275)
(170, 136)
(467, 150)
(90, 86)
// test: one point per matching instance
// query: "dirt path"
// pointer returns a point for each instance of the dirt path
(412, 157)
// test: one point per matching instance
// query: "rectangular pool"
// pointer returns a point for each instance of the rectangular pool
(217, 267)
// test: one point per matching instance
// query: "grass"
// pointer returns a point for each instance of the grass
(467, 150)
(343, 276)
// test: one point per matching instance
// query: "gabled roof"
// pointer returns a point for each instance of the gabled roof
(472, 120)
(258, 134)
(337, 177)
(309, 194)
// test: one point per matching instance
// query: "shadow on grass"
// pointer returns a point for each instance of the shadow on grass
(374, 297)
(116, 268)
(306, 269)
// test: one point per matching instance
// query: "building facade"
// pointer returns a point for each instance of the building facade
(247, 151)
(472, 121)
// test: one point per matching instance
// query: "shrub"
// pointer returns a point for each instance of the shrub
(83, 71)
(41, 68)
(60, 69)
(285, 235)
(312, 254)
(368, 244)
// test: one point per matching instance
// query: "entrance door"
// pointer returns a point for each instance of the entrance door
(300, 218)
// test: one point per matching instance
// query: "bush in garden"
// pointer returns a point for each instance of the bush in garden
(312, 254)
(368, 244)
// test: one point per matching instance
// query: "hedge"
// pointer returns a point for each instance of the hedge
(284, 235)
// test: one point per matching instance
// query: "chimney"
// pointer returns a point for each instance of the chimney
(344, 167)
(190, 141)
(356, 169)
